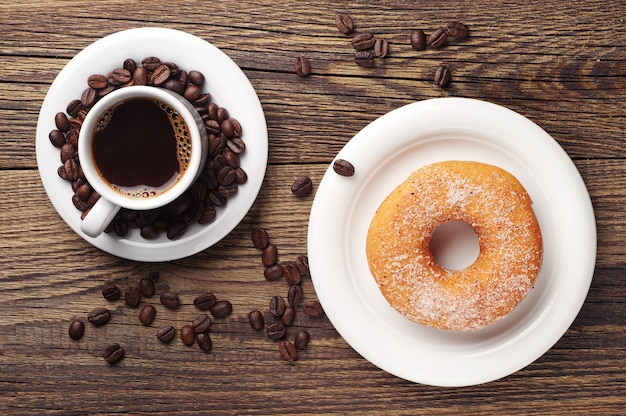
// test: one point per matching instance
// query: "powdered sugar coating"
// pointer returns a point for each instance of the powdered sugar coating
(499, 209)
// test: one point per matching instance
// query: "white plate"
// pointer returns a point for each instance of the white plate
(384, 154)
(229, 88)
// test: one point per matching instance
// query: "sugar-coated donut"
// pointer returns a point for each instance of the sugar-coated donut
(499, 209)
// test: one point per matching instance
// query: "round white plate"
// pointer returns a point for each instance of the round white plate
(384, 154)
(229, 88)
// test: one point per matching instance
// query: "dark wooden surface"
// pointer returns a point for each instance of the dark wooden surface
(561, 64)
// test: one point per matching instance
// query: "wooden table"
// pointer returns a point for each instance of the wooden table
(561, 64)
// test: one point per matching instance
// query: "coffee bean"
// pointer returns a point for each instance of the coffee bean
(313, 308)
(97, 81)
(132, 296)
(77, 329)
(196, 78)
(288, 316)
(99, 316)
(241, 176)
(363, 41)
(277, 306)
(287, 351)
(89, 97)
(274, 272)
(343, 167)
(57, 138)
(302, 263)
(381, 48)
(442, 76)
(344, 23)
(260, 238)
(147, 315)
(129, 64)
(205, 301)
(72, 169)
(62, 122)
(302, 66)
(269, 256)
(275, 330)
(256, 320)
(146, 287)
(302, 186)
(437, 38)
(457, 30)
(302, 339)
(175, 85)
(192, 92)
(111, 292)
(201, 323)
(236, 145)
(113, 353)
(295, 295)
(160, 74)
(170, 300)
(176, 230)
(221, 309)
(418, 40)
(226, 176)
(166, 333)
(292, 274)
(204, 341)
(119, 76)
(72, 137)
(67, 152)
(187, 335)
(74, 107)
(364, 59)
(140, 76)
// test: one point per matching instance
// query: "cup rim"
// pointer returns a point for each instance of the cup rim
(175, 100)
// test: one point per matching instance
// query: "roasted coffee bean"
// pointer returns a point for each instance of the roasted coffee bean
(77, 329)
(99, 316)
(270, 255)
(72, 137)
(196, 78)
(147, 315)
(292, 274)
(166, 333)
(170, 300)
(62, 122)
(241, 176)
(257, 322)
(201, 103)
(89, 97)
(302, 186)
(344, 23)
(302, 263)
(364, 59)
(418, 40)
(97, 81)
(151, 63)
(77, 122)
(74, 107)
(457, 30)
(275, 330)
(140, 76)
(62, 173)
(381, 48)
(160, 75)
(222, 114)
(274, 272)
(208, 215)
(226, 175)
(111, 292)
(146, 287)
(363, 41)
(212, 127)
(204, 341)
(287, 351)
(57, 138)
(130, 65)
(295, 295)
(313, 308)
(302, 339)
(132, 296)
(221, 309)
(288, 316)
(104, 91)
(442, 76)
(174, 70)
(205, 301)
(119, 76)
(175, 85)
(192, 92)
(260, 239)
(201, 323)
(236, 145)
(187, 335)
(237, 130)
(67, 152)
(176, 230)
(277, 306)
(232, 157)
(343, 167)
(84, 192)
(113, 353)
(79, 204)
(302, 66)
(72, 169)
(437, 38)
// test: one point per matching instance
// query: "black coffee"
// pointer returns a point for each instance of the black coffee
(141, 147)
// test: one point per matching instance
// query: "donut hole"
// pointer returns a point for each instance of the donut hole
(454, 245)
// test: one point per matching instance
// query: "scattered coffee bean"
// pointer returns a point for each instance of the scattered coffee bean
(275, 330)
(204, 341)
(288, 316)
(313, 308)
(62, 122)
(170, 300)
(256, 320)
(295, 295)
(77, 329)
(196, 78)
(99, 316)
(363, 41)
(442, 76)
(381, 48)
(287, 351)
(364, 59)
(457, 30)
(302, 339)
(57, 138)
(437, 38)
(202, 323)
(418, 40)
(113, 353)
(302, 263)
(343, 167)
(344, 23)
(166, 333)
(292, 274)
(274, 272)
(302, 186)
(260, 238)
(205, 301)
(187, 335)
(221, 309)
(146, 287)
(132, 296)
(277, 306)
(302, 66)
(147, 315)
(270, 255)
(111, 292)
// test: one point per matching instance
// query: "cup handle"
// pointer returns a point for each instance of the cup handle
(99, 217)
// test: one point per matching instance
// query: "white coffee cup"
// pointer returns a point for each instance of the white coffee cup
(114, 112)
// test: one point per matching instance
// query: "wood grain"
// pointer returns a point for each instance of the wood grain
(561, 64)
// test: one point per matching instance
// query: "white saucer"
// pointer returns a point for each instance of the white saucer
(229, 88)
(384, 153)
